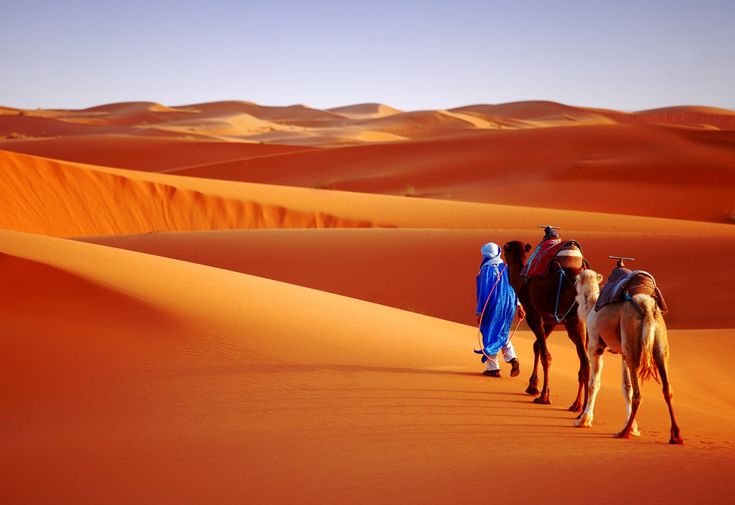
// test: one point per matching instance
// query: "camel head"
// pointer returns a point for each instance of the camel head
(515, 252)
(587, 284)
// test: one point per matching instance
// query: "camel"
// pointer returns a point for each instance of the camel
(539, 297)
(634, 328)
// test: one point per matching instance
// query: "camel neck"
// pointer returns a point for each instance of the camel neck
(588, 304)
(516, 264)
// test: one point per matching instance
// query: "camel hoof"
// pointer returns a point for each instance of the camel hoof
(575, 408)
(533, 390)
(676, 441)
(583, 423)
(635, 433)
(542, 401)
(622, 434)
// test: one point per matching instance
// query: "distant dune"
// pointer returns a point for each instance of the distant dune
(228, 302)
(364, 110)
(674, 162)
(630, 169)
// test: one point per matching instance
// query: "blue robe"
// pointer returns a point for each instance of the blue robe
(500, 309)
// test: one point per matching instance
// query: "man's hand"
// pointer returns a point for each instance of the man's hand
(521, 312)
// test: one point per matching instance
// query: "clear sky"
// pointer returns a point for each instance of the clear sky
(411, 54)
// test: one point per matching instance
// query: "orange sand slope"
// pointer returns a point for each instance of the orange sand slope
(154, 154)
(630, 169)
(91, 200)
(193, 384)
(433, 271)
(245, 374)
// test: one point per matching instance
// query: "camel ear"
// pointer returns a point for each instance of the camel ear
(528, 247)
(599, 278)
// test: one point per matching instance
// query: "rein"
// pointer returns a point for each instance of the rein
(562, 276)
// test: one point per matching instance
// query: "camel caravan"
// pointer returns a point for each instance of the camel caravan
(557, 287)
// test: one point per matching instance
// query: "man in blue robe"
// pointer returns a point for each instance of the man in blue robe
(496, 307)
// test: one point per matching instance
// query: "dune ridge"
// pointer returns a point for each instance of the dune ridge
(364, 110)
(433, 271)
(36, 187)
(300, 124)
(93, 201)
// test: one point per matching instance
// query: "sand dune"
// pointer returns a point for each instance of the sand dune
(629, 143)
(364, 110)
(310, 126)
(531, 111)
(87, 200)
(222, 385)
(144, 153)
(291, 114)
(690, 109)
(311, 345)
(91, 200)
(632, 169)
(433, 271)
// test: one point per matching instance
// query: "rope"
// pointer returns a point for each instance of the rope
(514, 330)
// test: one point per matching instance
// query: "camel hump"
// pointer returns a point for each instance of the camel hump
(567, 253)
(624, 284)
(640, 282)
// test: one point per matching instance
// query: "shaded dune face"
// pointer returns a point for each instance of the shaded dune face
(86, 201)
(432, 271)
(60, 323)
(252, 304)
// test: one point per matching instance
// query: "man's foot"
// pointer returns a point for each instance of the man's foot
(491, 373)
(516, 367)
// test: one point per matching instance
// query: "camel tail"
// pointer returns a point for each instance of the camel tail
(647, 367)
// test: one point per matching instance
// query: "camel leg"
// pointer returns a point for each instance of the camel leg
(660, 356)
(545, 355)
(576, 331)
(532, 388)
(635, 399)
(534, 322)
(595, 361)
(628, 396)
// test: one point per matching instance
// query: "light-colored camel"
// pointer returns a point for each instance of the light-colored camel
(637, 330)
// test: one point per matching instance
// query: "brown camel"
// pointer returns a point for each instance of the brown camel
(634, 328)
(543, 311)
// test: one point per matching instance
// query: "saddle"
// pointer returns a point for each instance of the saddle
(624, 283)
(568, 254)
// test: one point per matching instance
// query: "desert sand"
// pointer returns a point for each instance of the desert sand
(235, 303)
